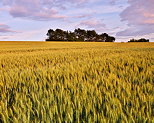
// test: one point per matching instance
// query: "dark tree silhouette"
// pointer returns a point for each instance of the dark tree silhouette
(78, 35)
(71, 36)
(139, 40)
(51, 35)
(91, 35)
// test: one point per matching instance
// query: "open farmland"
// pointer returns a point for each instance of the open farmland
(76, 82)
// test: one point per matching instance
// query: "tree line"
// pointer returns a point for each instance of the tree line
(139, 40)
(78, 35)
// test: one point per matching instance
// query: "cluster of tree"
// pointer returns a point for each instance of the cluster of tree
(78, 35)
(139, 40)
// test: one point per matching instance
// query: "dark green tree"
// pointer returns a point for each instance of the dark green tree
(139, 40)
(51, 35)
(78, 35)
(91, 35)
(81, 34)
(71, 36)
(60, 35)
(104, 37)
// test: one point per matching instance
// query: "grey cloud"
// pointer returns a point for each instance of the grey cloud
(93, 24)
(39, 9)
(140, 18)
(5, 29)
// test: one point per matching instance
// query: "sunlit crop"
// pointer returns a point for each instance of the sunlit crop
(76, 82)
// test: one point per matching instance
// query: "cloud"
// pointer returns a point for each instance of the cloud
(5, 29)
(139, 17)
(24, 36)
(47, 10)
(39, 9)
(112, 2)
(33, 9)
(42, 14)
(93, 24)
(80, 16)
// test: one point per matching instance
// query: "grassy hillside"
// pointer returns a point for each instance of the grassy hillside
(76, 82)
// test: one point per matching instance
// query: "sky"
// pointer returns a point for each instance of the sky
(29, 20)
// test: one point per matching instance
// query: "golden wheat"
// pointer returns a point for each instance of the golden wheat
(76, 82)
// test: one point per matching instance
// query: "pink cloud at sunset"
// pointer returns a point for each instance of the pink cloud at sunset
(139, 17)
(5, 29)
(121, 18)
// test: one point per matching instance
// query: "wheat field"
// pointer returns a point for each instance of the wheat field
(75, 82)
